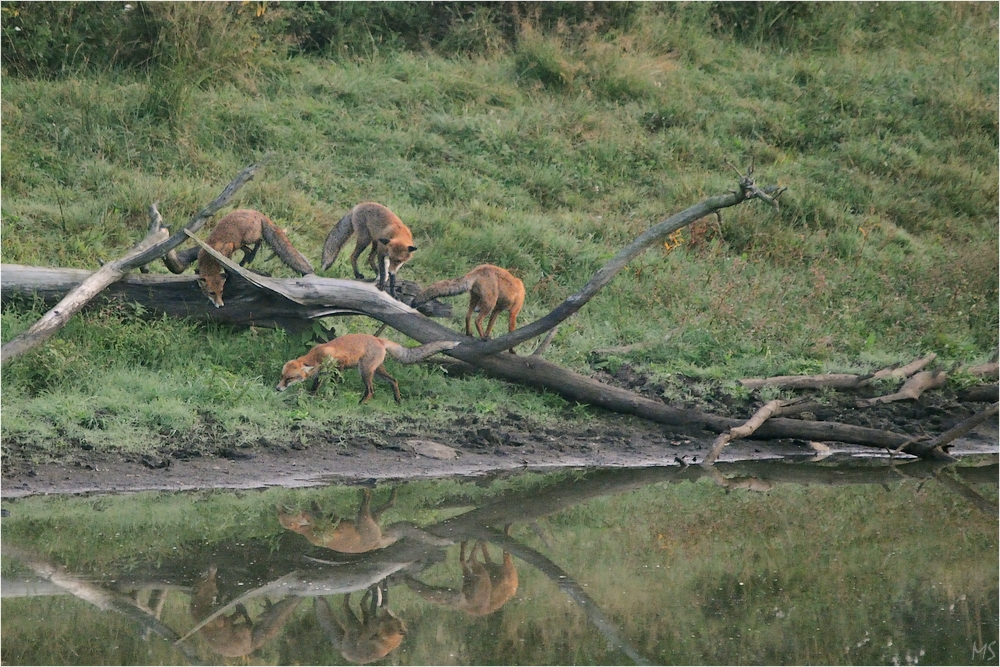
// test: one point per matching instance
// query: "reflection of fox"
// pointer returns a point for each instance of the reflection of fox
(362, 350)
(486, 586)
(361, 641)
(352, 537)
(391, 241)
(236, 635)
(492, 290)
(243, 230)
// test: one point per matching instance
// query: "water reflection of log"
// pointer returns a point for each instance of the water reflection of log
(96, 595)
(967, 492)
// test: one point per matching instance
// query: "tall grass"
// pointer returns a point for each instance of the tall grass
(545, 153)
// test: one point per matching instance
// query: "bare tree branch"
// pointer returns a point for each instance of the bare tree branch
(837, 380)
(544, 345)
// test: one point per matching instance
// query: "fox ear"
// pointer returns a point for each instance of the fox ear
(306, 369)
(412, 248)
(384, 241)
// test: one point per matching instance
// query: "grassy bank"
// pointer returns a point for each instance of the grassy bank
(543, 153)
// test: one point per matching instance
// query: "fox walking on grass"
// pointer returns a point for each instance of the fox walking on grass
(375, 225)
(364, 351)
(243, 230)
(491, 289)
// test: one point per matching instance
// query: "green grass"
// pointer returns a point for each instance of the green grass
(545, 155)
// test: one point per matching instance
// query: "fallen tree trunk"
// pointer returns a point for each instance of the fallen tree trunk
(179, 296)
(310, 297)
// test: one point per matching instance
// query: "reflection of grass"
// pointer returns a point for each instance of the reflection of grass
(690, 573)
(739, 578)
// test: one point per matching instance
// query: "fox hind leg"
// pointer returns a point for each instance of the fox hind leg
(473, 304)
(382, 373)
(487, 305)
(512, 321)
(358, 249)
(248, 255)
(370, 364)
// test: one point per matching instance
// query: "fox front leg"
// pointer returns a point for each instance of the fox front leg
(392, 284)
(383, 271)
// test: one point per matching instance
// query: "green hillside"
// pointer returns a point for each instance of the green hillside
(538, 136)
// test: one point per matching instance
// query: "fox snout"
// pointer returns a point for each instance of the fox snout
(213, 293)
(292, 372)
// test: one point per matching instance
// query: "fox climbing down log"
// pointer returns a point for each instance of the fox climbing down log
(391, 242)
(492, 290)
(364, 351)
(242, 229)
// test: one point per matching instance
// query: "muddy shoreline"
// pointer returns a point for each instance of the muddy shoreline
(473, 446)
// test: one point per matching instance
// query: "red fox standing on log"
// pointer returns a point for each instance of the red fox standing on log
(364, 351)
(391, 242)
(492, 290)
(243, 230)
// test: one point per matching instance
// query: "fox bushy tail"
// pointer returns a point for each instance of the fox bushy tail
(411, 355)
(445, 288)
(284, 249)
(336, 239)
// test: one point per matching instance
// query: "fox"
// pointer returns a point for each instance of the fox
(236, 634)
(351, 537)
(491, 290)
(371, 638)
(391, 242)
(486, 586)
(242, 229)
(364, 351)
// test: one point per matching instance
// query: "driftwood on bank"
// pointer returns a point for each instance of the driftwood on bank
(742, 431)
(911, 390)
(837, 380)
(154, 246)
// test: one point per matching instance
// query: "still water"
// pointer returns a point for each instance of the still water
(793, 562)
